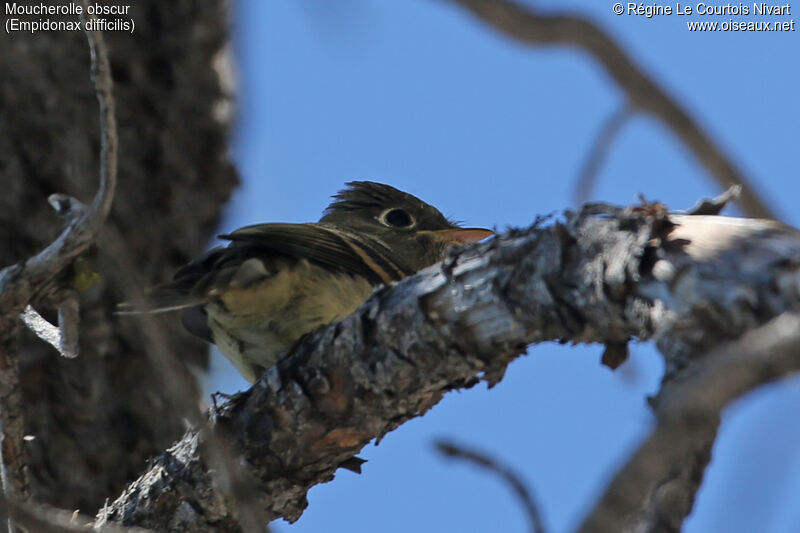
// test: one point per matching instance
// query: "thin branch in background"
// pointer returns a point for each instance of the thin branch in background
(688, 412)
(45, 330)
(64, 337)
(528, 25)
(20, 282)
(69, 315)
(103, 84)
(714, 206)
(598, 152)
(40, 518)
(524, 495)
(40, 327)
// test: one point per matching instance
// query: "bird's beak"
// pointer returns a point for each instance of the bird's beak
(462, 236)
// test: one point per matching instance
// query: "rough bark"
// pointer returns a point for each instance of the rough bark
(606, 275)
(96, 419)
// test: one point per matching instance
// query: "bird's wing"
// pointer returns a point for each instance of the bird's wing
(256, 250)
(321, 244)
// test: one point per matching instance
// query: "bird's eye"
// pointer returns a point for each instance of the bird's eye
(397, 218)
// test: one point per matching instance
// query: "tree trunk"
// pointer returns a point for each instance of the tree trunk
(97, 419)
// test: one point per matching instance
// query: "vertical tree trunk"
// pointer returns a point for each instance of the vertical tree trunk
(96, 419)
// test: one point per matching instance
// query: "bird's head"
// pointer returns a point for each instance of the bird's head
(415, 231)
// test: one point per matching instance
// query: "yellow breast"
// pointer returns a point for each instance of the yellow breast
(254, 326)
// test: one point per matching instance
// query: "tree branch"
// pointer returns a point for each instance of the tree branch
(448, 449)
(597, 153)
(41, 518)
(604, 275)
(63, 338)
(527, 25)
(21, 283)
(688, 414)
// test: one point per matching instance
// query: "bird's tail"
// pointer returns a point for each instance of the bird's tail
(159, 300)
(181, 293)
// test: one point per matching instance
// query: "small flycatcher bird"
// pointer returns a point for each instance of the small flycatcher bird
(276, 282)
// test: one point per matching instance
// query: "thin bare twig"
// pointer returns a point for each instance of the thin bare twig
(525, 24)
(20, 283)
(449, 449)
(63, 337)
(40, 518)
(688, 412)
(597, 154)
(41, 327)
(714, 206)
(68, 324)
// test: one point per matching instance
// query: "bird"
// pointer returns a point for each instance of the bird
(273, 283)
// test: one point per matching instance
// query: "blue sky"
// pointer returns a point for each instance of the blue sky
(420, 95)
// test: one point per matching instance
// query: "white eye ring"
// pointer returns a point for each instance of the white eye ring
(395, 217)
